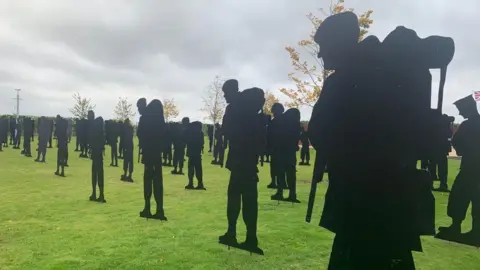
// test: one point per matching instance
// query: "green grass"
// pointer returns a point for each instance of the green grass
(47, 222)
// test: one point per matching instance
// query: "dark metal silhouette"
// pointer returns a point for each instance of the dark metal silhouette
(219, 147)
(210, 137)
(167, 151)
(285, 147)
(127, 138)
(96, 143)
(44, 128)
(272, 132)
(28, 128)
(3, 130)
(112, 132)
(12, 129)
(179, 145)
(151, 132)
(69, 129)
(465, 189)
(18, 134)
(378, 204)
(50, 134)
(121, 144)
(305, 151)
(244, 129)
(61, 133)
(195, 140)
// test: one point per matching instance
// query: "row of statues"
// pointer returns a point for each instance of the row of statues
(371, 125)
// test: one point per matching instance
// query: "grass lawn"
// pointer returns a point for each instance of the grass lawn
(47, 222)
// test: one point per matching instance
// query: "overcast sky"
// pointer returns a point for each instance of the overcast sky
(104, 49)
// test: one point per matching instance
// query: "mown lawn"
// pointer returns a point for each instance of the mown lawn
(47, 222)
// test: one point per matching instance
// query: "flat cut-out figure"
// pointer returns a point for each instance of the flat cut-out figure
(121, 144)
(286, 147)
(151, 132)
(44, 127)
(179, 145)
(219, 147)
(77, 134)
(210, 137)
(12, 128)
(167, 152)
(69, 129)
(27, 136)
(195, 141)
(272, 132)
(97, 147)
(61, 133)
(243, 127)
(466, 188)
(18, 134)
(112, 133)
(127, 137)
(50, 135)
(305, 152)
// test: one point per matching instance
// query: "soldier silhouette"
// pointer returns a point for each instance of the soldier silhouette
(219, 147)
(285, 149)
(61, 133)
(179, 146)
(151, 132)
(112, 133)
(466, 188)
(244, 127)
(96, 142)
(195, 141)
(272, 133)
(210, 137)
(167, 151)
(18, 134)
(27, 136)
(305, 152)
(371, 151)
(43, 137)
(127, 137)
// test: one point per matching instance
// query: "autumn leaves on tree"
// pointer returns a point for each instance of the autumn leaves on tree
(309, 76)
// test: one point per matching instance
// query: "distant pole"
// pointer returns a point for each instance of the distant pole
(18, 102)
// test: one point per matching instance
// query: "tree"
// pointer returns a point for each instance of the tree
(270, 99)
(123, 110)
(309, 78)
(81, 107)
(170, 109)
(213, 102)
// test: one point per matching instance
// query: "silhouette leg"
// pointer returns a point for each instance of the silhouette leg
(443, 172)
(147, 186)
(250, 209)
(199, 172)
(292, 183)
(457, 204)
(233, 203)
(94, 182)
(100, 178)
(158, 191)
(191, 173)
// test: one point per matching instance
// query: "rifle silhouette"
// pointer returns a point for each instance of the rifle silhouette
(318, 171)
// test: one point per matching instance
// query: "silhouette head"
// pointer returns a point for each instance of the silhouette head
(155, 107)
(196, 126)
(337, 37)
(141, 105)
(467, 107)
(292, 114)
(185, 121)
(277, 109)
(230, 89)
(91, 115)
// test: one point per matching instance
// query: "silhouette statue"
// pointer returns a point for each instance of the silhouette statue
(50, 133)
(121, 144)
(465, 189)
(69, 129)
(285, 149)
(96, 143)
(27, 134)
(219, 147)
(78, 131)
(439, 162)
(371, 151)
(167, 152)
(61, 133)
(44, 127)
(33, 131)
(3, 130)
(151, 131)
(195, 141)
(272, 133)
(127, 144)
(210, 137)
(179, 145)
(244, 129)
(112, 132)
(82, 135)
(12, 129)
(305, 152)
(18, 134)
